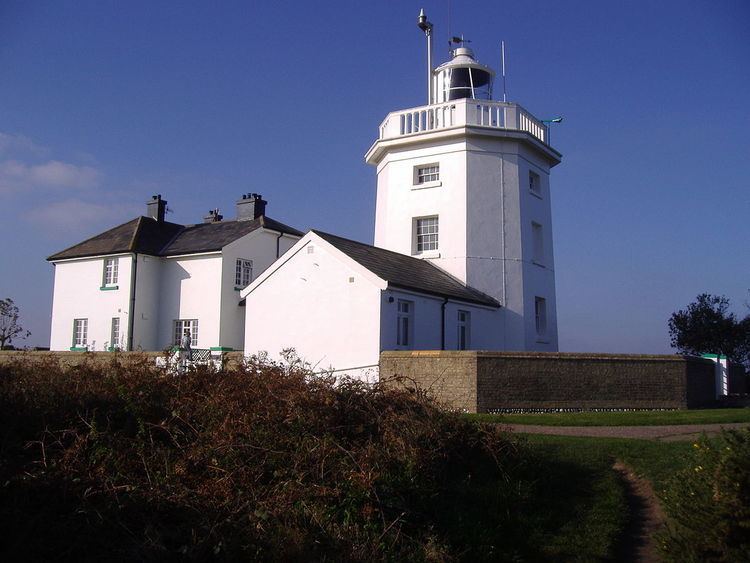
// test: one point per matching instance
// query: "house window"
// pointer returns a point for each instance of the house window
(181, 325)
(243, 274)
(110, 271)
(464, 330)
(80, 333)
(537, 237)
(426, 234)
(540, 314)
(405, 324)
(114, 338)
(426, 174)
(535, 186)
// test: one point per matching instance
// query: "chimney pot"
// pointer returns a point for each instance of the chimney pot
(250, 207)
(213, 216)
(156, 208)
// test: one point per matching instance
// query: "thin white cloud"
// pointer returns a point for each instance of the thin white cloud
(62, 174)
(18, 176)
(74, 217)
(19, 143)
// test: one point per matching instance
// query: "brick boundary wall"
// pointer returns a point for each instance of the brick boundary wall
(477, 381)
(737, 380)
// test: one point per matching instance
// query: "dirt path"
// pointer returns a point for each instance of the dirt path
(665, 433)
(646, 516)
(646, 519)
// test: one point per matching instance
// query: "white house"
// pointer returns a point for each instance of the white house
(339, 302)
(141, 284)
(463, 254)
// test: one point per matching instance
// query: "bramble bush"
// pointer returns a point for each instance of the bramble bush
(708, 503)
(125, 462)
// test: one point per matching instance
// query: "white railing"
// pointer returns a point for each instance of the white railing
(462, 113)
(178, 361)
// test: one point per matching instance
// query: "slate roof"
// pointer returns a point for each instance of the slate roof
(407, 272)
(147, 236)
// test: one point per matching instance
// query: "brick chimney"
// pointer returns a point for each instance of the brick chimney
(156, 208)
(213, 216)
(250, 207)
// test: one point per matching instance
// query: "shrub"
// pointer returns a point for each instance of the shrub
(708, 503)
(124, 462)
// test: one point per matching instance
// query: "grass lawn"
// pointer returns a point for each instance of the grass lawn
(586, 506)
(621, 418)
(581, 507)
(656, 461)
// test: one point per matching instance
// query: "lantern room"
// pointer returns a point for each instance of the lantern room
(462, 77)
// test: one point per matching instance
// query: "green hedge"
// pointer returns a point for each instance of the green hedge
(708, 503)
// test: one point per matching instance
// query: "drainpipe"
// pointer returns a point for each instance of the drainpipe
(442, 323)
(278, 240)
(502, 233)
(131, 316)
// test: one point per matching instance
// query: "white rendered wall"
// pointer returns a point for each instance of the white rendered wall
(311, 305)
(260, 247)
(190, 288)
(428, 317)
(399, 202)
(77, 295)
(538, 275)
(146, 313)
(485, 211)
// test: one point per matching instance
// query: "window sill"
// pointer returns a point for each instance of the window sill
(78, 349)
(427, 185)
(427, 254)
(536, 194)
(238, 288)
(540, 340)
(221, 349)
(109, 287)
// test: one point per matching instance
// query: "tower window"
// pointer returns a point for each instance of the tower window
(404, 324)
(537, 236)
(540, 314)
(426, 234)
(243, 274)
(535, 184)
(464, 330)
(426, 174)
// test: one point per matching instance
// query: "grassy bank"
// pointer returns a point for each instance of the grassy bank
(621, 418)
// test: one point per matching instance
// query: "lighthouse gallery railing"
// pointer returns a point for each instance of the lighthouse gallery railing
(460, 113)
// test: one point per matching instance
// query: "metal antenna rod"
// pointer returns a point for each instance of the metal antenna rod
(426, 26)
(502, 52)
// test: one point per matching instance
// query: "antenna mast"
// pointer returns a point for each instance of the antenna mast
(426, 26)
(502, 54)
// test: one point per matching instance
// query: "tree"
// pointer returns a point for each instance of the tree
(707, 327)
(9, 327)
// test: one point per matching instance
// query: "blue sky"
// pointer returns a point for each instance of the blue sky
(103, 104)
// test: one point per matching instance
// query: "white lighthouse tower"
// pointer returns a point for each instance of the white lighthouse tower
(464, 182)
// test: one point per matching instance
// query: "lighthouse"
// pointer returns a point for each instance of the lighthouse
(464, 182)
